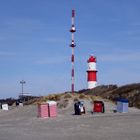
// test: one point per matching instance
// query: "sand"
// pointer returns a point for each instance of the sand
(22, 123)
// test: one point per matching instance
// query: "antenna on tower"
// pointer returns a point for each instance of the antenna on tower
(72, 45)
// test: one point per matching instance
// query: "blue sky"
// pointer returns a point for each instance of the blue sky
(35, 38)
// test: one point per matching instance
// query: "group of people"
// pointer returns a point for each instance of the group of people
(79, 108)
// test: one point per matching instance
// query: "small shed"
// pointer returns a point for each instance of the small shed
(122, 105)
(43, 110)
(98, 107)
(52, 108)
(5, 107)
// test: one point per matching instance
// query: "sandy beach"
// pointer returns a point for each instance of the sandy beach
(22, 123)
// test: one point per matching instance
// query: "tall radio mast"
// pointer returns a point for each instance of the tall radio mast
(72, 45)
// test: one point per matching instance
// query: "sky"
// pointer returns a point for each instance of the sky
(35, 39)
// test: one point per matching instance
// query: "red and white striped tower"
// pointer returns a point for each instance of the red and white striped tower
(72, 45)
(92, 72)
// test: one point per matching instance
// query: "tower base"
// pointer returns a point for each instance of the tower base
(92, 84)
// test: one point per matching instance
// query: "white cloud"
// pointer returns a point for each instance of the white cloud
(130, 34)
(6, 54)
(116, 57)
(22, 23)
(20, 29)
(56, 40)
(96, 43)
(52, 60)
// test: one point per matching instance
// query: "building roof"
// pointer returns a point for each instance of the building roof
(92, 59)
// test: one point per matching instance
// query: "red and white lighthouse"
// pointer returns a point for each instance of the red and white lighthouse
(92, 72)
